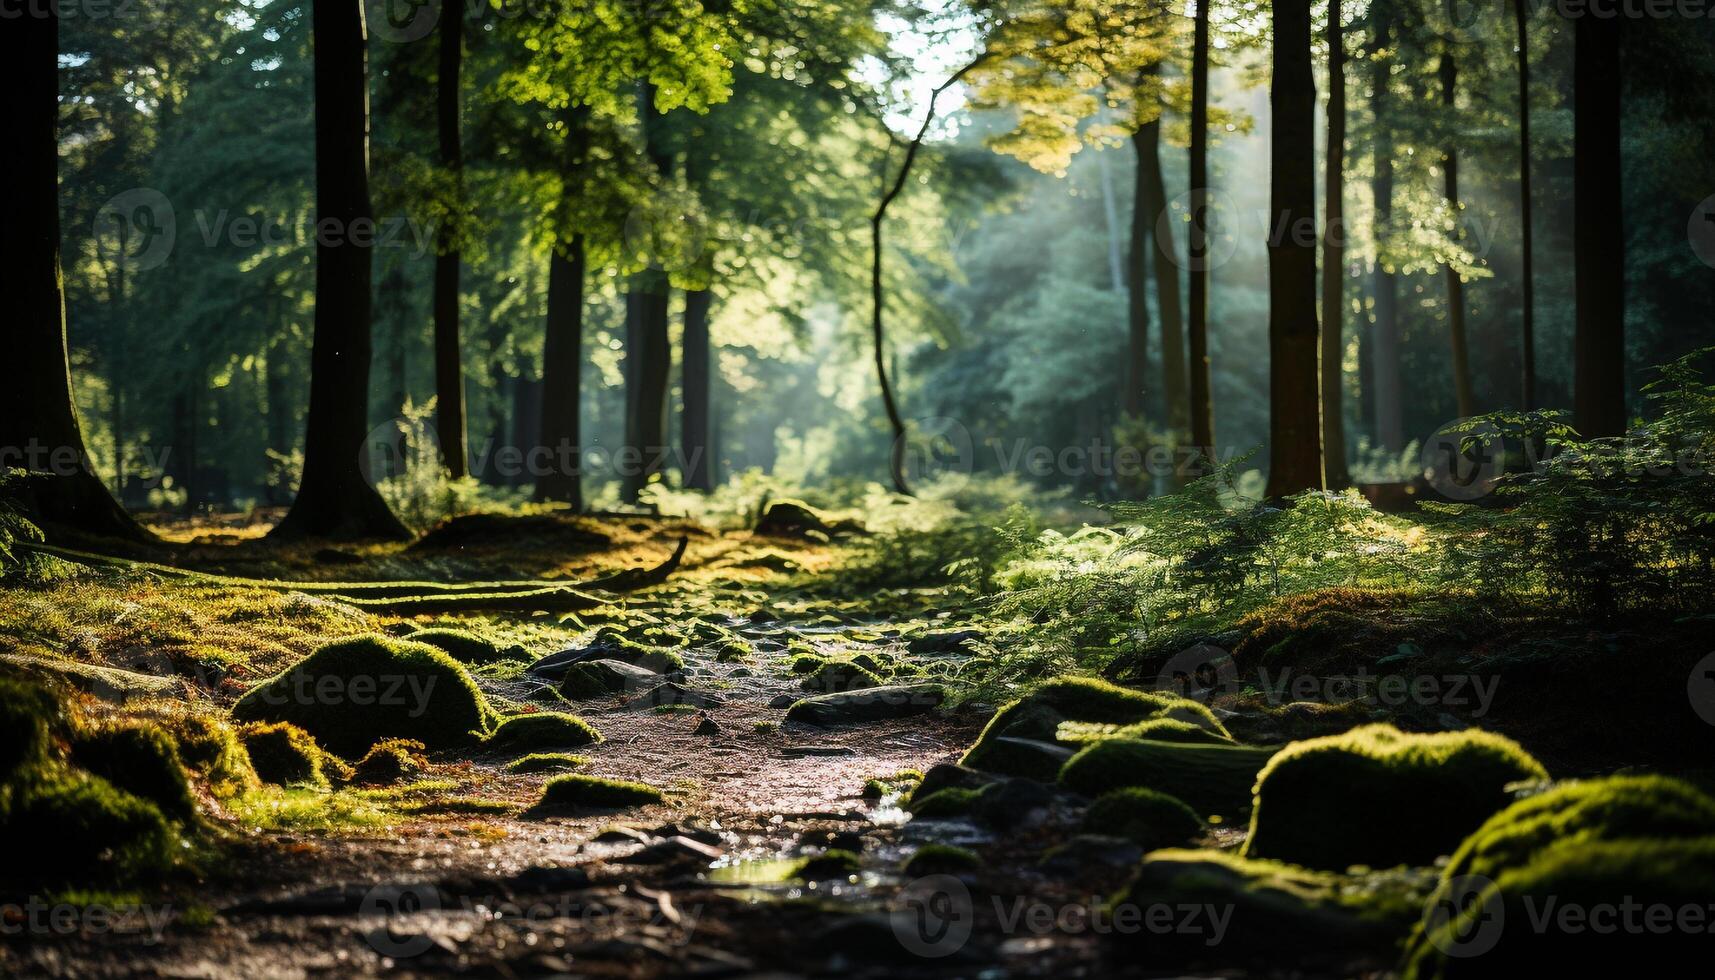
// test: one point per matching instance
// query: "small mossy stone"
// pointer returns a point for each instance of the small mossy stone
(285, 755)
(579, 791)
(867, 705)
(832, 678)
(210, 747)
(954, 801)
(393, 761)
(1213, 779)
(1380, 797)
(140, 759)
(1147, 817)
(355, 692)
(546, 762)
(467, 647)
(941, 859)
(827, 866)
(1039, 714)
(543, 730)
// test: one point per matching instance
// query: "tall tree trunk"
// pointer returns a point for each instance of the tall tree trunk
(1467, 403)
(39, 428)
(1137, 275)
(1599, 245)
(278, 416)
(1295, 425)
(1527, 345)
(1384, 365)
(334, 499)
(652, 356)
(1197, 247)
(563, 339)
(1334, 471)
(449, 369)
(1168, 298)
(698, 469)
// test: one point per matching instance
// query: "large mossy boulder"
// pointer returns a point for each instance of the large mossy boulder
(1579, 909)
(140, 759)
(355, 692)
(1037, 717)
(1213, 779)
(1380, 797)
(1146, 817)
(65, 827)
(1232, 912)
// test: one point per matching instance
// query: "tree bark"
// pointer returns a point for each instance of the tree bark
(563, 339)
(1334, 472)
(651, 355)
(39, 428)
(1384, 366)
(334, 499)
(1527, 344)
(1168, 298)
(698, 468)
(1599, 348)
(450, 423)
(1137, 276)
(1467, 406)
(1295, 436)
(1197, 247)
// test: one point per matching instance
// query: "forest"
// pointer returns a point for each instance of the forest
(927, 488)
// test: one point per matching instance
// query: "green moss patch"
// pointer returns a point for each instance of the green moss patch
(1038, 716)
(1214, 779)
(69, 828)
(540, 731)
(839, 676)
(1148, 818)
(578, 791)
(393, 761)
(1377, 796)
(140, 759)
(546, 762)
(941, 859)
(286, 755)
(954, 801)
(467, 647)
(27, 712)
(355, 692)
(210, 748)
(827, 866)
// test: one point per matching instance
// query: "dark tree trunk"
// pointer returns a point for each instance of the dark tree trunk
(651, 356)
(39, 428)
(562, 365)
(1137, 276)
(1334, 262)
(449, 370)
(1599, 348)
(1455, 284)
(1295, 436)
(334, 499)
(1384, 364)
(1167, 294)
(1197, 247)
(698, 468)
(1527, 346)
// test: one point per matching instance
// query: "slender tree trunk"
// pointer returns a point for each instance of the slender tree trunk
(1334, 471)
(694, 421)
(1137, 274)
(1384, 366)
(1527, 346)
(1168, 298)
(39, 428)
(334, 499)
(1599, 245)
(652, 356)
(1467, 403)
(1295, 425)
(562, 367)
(1197, 247)
(449, 369)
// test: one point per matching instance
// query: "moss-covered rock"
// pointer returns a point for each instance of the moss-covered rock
(787, 518)
(286, 755)
(826, 866)
(392, 761)
(1213, 779)
(1039, 715)
(544, 730)
(941, 859)
(68, 828)
(867, 705)
(954, 801)
(210, 748)
(1377, 796)
(579, 791)
(140, 759)
(1147, 817)
(838, 676)
(26, 710)
(355, 692)
(546, 762)
(467, 647)
(1579, 909)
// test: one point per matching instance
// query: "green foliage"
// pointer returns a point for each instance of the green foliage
(543, 730)
(1214, 779)
(14, 526)
(1152, 819)
(578, 791)
(355, 692)
(1377, 796)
